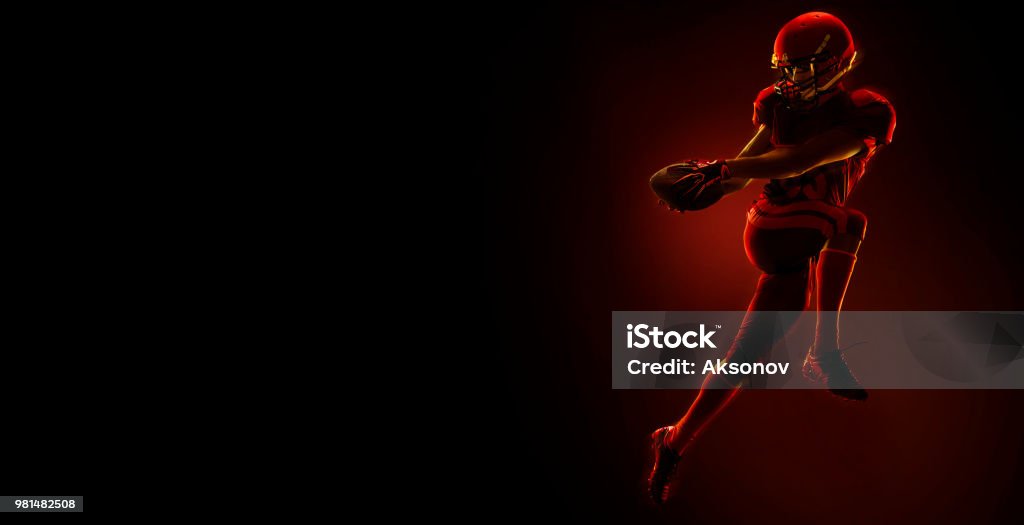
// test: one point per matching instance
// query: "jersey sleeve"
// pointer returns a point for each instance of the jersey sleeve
(873, 118)
(764, 107)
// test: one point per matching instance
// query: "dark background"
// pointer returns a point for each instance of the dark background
(578, 104)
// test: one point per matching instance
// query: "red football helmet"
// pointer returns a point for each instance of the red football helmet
(813, 51)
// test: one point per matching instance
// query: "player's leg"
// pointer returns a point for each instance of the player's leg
(785, 257)
(844, 228)
(785, 253)
(786, 292)
(833, 274)
(763, 325)
(782, 249)
(825, 362)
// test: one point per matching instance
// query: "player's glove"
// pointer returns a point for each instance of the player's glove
(692, 185)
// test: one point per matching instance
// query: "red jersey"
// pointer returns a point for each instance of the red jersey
(865, 113)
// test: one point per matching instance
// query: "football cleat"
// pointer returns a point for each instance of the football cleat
(830, 368)
(665, 461)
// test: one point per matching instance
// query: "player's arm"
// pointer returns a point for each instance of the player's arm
(761, 143)
(782, 163)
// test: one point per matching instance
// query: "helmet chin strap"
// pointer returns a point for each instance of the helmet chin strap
(853, 63)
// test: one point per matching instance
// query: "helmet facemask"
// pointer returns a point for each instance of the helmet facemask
(802, 82)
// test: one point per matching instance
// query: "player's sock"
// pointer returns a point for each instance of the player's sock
(709, 402)
(835, 267)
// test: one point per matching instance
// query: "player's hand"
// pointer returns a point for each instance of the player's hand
(692, 185)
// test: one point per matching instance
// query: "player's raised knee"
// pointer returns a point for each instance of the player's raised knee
(856, 223)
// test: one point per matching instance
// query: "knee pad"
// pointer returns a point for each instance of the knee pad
(856, 223)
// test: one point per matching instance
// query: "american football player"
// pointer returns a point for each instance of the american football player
(814, 140)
